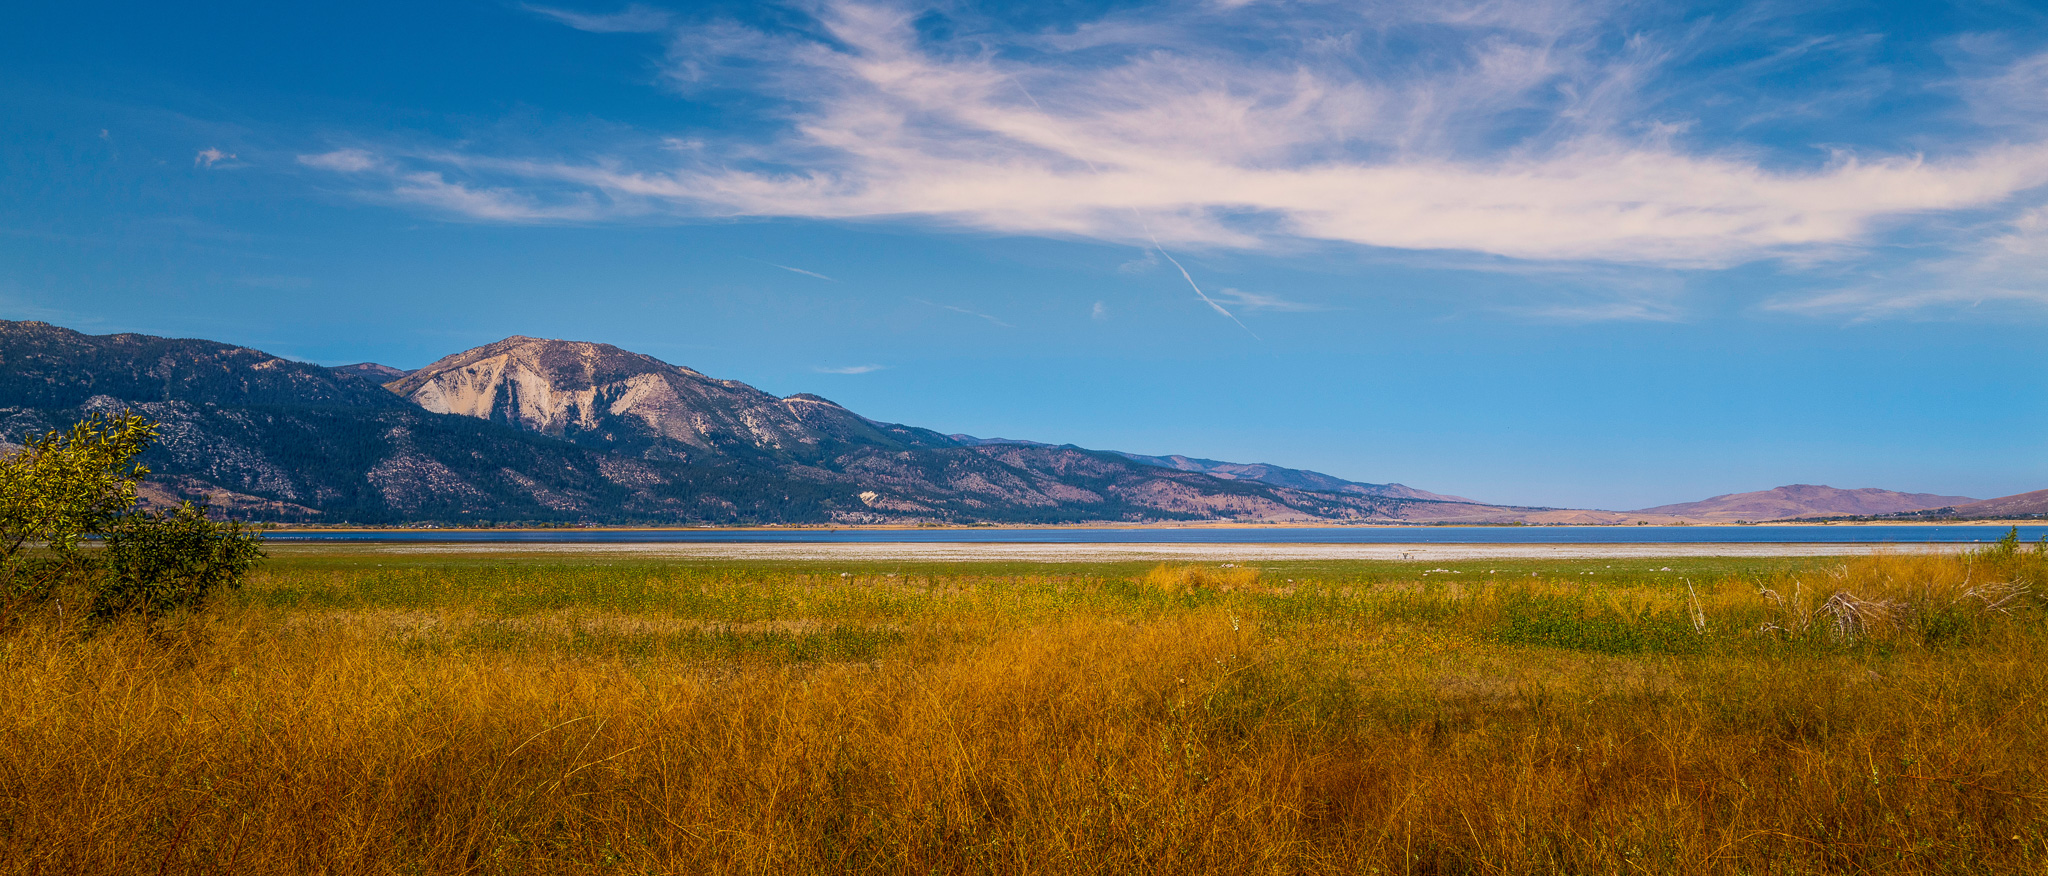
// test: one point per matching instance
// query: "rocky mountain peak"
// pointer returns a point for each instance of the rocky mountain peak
(598, 393)
(563, 365)
(813, 399)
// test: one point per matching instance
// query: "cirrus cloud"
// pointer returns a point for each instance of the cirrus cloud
(635, 18)
(1527, 131)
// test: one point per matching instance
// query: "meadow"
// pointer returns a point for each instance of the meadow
(374, 712)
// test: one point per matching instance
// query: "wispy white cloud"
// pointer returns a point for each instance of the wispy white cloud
(432, 189)
(504, 204)
(850, 369)
(2005, 94)
(2005, 268)
(635, 18)
(1531, 135)
(1099, 311)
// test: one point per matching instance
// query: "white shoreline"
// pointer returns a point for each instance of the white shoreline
(1099, 553)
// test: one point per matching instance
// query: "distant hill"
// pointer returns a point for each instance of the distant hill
(2034, 504)
(1804, 500)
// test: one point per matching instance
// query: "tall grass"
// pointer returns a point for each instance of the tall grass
(341, 716)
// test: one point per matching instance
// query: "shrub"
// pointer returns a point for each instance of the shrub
(172, 559)
(69, 487)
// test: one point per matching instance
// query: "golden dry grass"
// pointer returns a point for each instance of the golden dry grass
(351, 718)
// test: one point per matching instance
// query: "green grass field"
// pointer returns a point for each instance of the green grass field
(420, 713)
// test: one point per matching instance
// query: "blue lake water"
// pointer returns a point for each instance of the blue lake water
(1275, 535)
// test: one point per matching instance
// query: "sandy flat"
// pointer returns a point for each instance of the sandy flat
(1097, 553)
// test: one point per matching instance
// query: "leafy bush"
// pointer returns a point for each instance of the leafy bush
(69, 487)
(156, 562)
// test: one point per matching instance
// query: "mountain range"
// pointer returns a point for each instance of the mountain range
(537, 431)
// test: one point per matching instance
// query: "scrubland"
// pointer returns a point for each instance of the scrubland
(373, 714)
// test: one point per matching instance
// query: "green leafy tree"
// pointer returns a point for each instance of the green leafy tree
(69, 486)
(60, 489)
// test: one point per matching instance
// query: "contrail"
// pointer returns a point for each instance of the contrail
(790, 269)
(1148, 232)
(1191, 280)
(957, 309)
(803, 272)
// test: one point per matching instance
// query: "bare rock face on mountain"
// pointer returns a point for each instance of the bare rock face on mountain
(600, 394)
(1805, 500)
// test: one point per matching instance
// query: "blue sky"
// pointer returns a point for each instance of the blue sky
(1576, 254)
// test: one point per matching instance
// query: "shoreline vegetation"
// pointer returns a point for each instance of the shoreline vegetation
(457, 713)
